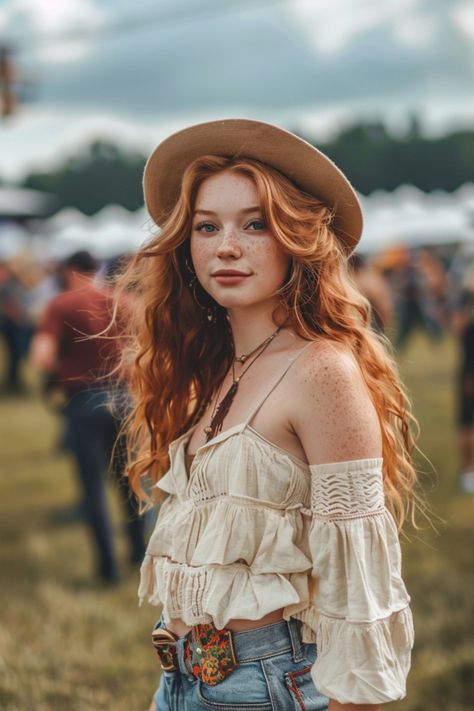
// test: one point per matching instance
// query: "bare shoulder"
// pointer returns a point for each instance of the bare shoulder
(324, 355)
(333, 413)
(324, 368)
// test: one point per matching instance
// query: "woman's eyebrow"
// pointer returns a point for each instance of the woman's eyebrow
(211, 212)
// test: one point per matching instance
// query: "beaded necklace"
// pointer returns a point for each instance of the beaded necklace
(222, 407)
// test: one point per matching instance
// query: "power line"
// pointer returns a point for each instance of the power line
(7, 76)
(172, 17)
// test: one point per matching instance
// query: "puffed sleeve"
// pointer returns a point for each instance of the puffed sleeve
(364, 625)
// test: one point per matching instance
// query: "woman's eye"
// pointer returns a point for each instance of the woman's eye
(205, 227)
(256, 225)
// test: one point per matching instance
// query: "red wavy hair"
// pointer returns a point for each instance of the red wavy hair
(175, 358)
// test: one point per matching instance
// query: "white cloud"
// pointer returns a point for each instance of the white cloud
(57, 21)
(325, 65)
(42, 139)
(332, 24)
(6, 14)
(463, 15)
(59, 15)
(416, 31)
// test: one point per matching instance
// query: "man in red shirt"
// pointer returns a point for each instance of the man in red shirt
(64, 349)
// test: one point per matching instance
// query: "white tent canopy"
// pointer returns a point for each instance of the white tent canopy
(409, 216)
(405, 216)
(65, 218)
(114, 230)
(22, 203)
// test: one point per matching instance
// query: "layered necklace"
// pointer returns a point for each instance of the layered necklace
(222, 407)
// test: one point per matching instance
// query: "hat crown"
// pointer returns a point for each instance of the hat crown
(307, 167)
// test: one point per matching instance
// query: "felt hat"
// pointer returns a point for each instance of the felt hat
(308, 168)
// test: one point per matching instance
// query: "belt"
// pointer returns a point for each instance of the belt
(208, 652)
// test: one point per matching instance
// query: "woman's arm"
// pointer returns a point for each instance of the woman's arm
(332, 414)
(364, 625)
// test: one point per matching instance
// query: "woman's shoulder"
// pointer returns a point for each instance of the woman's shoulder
(333, 412)
(326, 362)
(327, 374)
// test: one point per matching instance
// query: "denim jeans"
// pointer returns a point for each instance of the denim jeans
(92, 432)
(273, 674)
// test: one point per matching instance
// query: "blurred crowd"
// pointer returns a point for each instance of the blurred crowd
(421, 289)
(45, 327)
(409, 289)
(51, 316)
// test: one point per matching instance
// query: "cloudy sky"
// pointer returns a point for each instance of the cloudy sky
(137, 70)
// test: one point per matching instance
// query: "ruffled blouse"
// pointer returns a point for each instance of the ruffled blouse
(254, 529)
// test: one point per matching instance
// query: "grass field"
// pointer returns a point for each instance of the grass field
(67, 644)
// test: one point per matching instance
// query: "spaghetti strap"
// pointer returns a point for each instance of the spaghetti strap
(279, 378)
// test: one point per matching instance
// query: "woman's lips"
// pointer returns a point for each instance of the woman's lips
(230, 278)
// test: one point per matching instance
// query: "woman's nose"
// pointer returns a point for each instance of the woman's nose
(229, 245)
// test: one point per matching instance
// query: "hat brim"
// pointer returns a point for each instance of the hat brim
(308, 168)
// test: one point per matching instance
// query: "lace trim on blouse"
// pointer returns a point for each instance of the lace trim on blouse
(346, 490)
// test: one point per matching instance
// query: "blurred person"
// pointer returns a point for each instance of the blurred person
(273, 423)
(416, 302)
(463, 326)
(43, 285)
(16, 325)
(65, 348)
(25, 289)
(373, 285)
(431, 267)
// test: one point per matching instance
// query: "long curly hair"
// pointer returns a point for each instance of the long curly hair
(174, 357)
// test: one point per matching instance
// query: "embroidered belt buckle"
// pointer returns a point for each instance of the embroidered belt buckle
(164, 642)
(209, 653)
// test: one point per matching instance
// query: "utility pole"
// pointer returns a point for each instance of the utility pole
(7, 78)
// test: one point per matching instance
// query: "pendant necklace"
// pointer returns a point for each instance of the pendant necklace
(222, 408)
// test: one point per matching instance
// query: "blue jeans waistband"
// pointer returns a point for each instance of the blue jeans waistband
(265, 641)
(268, 641)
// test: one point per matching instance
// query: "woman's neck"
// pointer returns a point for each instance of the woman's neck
(250, 327)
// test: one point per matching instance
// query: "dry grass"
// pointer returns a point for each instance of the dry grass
(66, 644)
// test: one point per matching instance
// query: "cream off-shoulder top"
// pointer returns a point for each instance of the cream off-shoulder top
(254, 529)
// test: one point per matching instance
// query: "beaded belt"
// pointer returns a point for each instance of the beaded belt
(208, 652)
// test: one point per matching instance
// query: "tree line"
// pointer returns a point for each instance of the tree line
(368, 153)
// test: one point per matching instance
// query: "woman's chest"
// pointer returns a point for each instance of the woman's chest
(269, 414)
(242, 465)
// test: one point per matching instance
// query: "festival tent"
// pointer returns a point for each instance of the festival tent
(404, 216)
(20, 211)
(112, 231)
(65, 218)
(413, 218)
(20, 204)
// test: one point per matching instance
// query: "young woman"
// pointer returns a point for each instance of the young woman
(272, 422)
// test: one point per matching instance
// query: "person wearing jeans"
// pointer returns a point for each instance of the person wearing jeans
(68, 349)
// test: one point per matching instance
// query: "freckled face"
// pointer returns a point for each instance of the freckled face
(236, 258)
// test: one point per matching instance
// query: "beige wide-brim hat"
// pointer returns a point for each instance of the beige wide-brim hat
(304, 165)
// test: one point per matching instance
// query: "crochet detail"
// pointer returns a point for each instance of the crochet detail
(344, 490)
